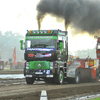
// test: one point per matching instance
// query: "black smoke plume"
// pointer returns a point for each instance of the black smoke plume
(79, 14)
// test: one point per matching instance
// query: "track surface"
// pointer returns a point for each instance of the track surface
(19, 90)
(11, 72)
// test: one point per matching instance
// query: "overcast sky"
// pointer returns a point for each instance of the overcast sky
(20, 15)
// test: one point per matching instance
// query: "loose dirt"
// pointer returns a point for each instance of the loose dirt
(18, 89)
(11, 72)
(33, 92)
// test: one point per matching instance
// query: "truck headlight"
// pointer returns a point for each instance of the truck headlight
(51, 65)
(47, 71)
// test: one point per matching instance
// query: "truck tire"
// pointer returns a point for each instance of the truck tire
(29, 80)
(59, 78)
(24, 71)
(77, 78)
(97, 78)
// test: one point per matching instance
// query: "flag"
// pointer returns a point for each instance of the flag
(14, 56)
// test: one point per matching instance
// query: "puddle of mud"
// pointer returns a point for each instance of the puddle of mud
(12, 76)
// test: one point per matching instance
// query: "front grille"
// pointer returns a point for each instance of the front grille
(39, 65)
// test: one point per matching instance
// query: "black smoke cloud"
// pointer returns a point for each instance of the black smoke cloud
(79, 14)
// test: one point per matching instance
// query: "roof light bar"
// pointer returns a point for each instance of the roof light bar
(48, 31)
(34, 32)
(39, 32)
(45, 32)
(31, 31)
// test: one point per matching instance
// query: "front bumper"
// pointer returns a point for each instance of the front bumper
(39, 73)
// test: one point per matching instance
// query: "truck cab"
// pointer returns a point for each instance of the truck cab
(46, 55)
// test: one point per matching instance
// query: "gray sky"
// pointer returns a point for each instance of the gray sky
(20, 15)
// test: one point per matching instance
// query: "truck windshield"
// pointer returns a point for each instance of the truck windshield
(41, 43)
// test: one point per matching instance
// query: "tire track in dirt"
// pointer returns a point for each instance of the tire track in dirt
(24, 89)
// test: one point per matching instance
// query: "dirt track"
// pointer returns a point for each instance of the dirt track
(11, 72)
(32, 92)
(19, 90)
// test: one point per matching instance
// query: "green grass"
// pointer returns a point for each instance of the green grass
(96, 98)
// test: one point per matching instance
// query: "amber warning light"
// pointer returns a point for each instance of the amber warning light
(39, 32)
(48, 31)
(30, 31)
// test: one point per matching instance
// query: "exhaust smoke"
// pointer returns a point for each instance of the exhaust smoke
(79, 14)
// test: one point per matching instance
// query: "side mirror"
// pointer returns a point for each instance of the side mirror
(22, 46)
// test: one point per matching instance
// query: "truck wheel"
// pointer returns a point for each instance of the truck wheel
(77, 79)
(24, 71)
(97, 78)
(29, 80)
(59, 78)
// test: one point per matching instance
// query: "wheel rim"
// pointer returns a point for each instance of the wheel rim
(77, 79)
(61, 78)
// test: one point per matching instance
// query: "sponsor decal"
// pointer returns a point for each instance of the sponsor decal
(39, 55)
(48, 55)
(30, 55)
(41, 37)
(40, 49)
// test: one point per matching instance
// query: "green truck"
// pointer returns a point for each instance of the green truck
(46, 55)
